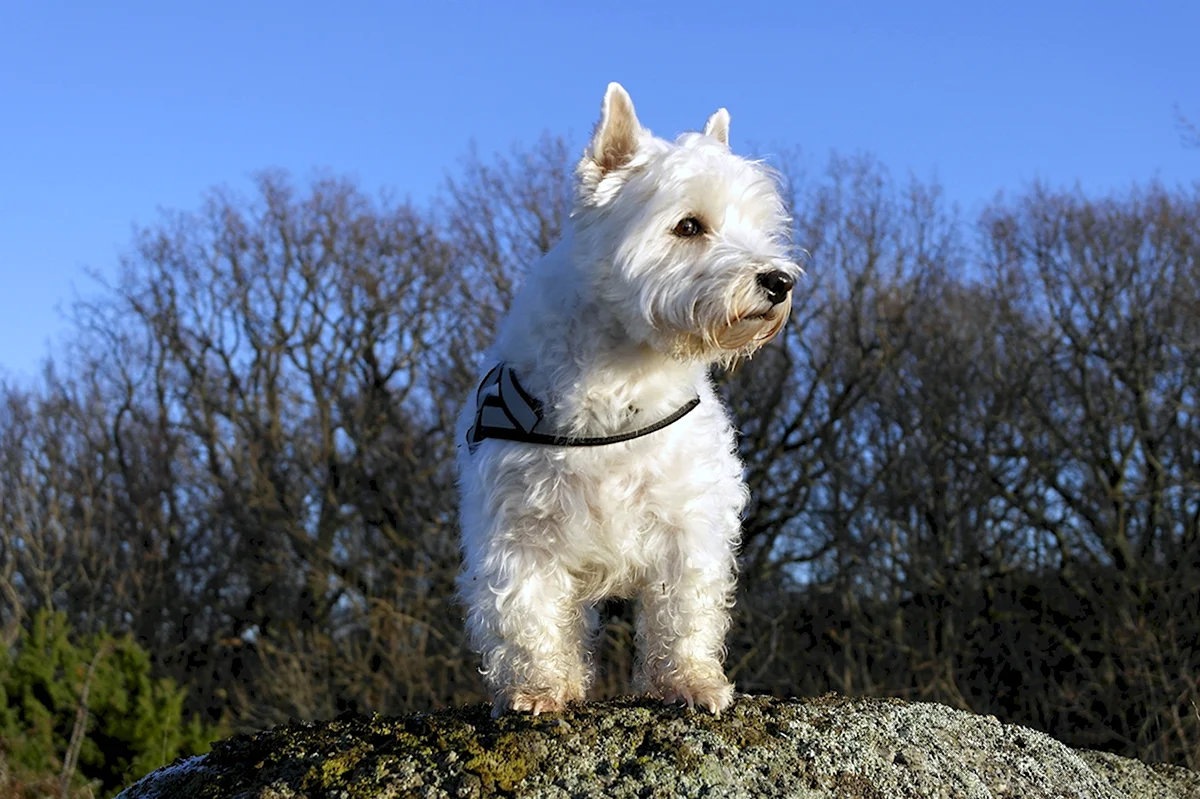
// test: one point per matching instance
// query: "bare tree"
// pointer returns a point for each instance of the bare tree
(1189, 134)
(972, 455)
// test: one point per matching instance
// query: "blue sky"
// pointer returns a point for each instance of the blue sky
(109, 111)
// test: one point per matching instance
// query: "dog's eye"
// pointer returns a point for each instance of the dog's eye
(689, 227)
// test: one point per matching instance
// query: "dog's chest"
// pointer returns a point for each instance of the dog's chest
(620, 492)
(638, 499)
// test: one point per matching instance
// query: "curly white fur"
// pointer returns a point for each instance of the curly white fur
(615, 328)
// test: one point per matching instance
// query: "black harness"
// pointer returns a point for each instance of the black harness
(505, 410)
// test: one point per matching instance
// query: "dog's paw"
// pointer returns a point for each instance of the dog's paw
(711, 694)
(535, 702)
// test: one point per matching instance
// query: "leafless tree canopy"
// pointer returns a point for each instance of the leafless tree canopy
(974, 457)
(1189, 133)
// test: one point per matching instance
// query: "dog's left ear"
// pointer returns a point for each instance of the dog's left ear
(718, 126)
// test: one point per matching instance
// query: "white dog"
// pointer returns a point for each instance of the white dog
(597, 459)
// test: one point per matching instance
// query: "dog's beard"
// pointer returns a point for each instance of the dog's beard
(730, 337)
(748, 333)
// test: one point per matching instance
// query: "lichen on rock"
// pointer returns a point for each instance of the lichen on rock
(829, 746)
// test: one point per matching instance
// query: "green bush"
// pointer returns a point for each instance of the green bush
(135, 722)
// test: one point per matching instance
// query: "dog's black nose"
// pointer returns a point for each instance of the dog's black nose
(777, 285)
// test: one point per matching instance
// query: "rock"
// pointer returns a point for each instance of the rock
(830, 746)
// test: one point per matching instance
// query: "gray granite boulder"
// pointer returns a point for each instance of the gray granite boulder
(830, 746)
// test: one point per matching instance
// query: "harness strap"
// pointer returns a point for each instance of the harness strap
(504, 410)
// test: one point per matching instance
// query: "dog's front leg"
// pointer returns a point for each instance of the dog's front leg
(682, 622)
(524, 619)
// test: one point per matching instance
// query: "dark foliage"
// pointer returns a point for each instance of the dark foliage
(974, 457)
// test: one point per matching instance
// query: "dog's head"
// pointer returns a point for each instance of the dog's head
(688, 243)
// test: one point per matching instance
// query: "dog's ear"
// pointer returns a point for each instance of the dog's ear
(613, 144)
(616, 137)
(718, 126)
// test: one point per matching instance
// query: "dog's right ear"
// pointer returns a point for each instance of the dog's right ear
(616, 137)
(615, 140)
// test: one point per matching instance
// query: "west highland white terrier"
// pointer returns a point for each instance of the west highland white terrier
(596, 459)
